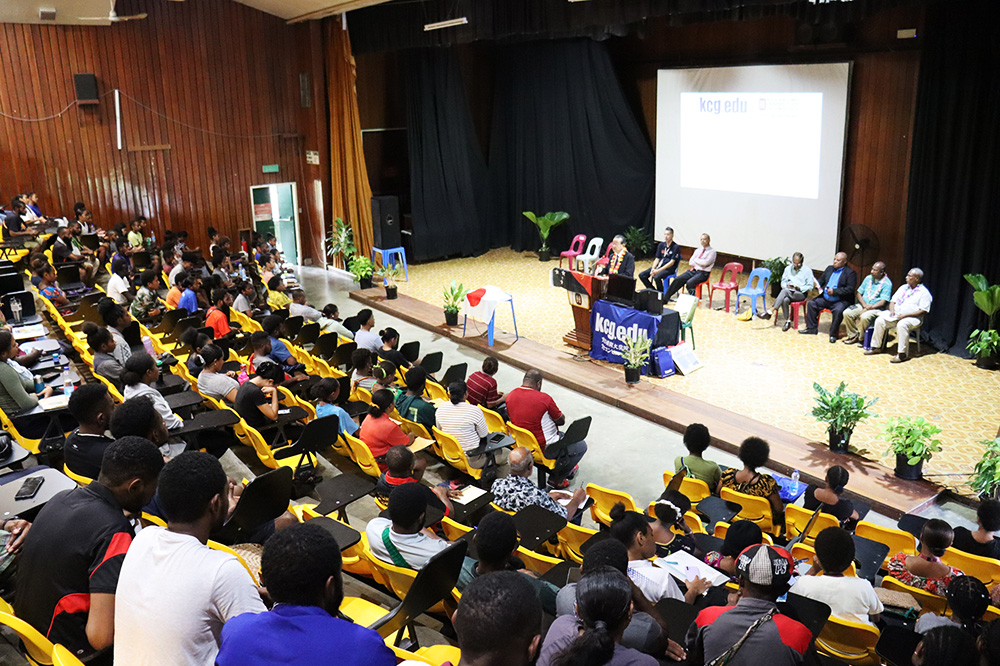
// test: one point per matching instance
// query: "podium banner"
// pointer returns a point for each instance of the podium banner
(611, 325)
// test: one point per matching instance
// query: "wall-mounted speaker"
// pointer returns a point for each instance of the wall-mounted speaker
(86, 88)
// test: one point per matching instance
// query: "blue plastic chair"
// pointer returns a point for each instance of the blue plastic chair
(667, 279)
(756, 287)
(389, 255)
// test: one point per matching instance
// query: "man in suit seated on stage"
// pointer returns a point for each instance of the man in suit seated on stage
(620, 261)
(837, 287)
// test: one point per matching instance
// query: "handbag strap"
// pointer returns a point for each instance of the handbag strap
(394, 553)
(726, 656)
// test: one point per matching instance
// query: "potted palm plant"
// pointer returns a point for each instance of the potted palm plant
(777, 267)
(545, 223)
(454, 293)
(984, 343)
(340, 245)
(912, 440)
(636, 357)
(390, 278)
(362, 269)
(985, 477)
(841, 410)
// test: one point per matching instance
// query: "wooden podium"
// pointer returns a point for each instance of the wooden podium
(583, 291)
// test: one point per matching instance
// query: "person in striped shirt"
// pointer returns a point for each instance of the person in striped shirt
(483, 388)
(466, 423)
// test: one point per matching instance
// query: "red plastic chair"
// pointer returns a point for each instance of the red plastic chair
(603, 261)
(735, 269)
(794, 317)
(574, 251)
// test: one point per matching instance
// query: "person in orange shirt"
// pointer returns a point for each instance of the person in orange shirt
(218, 318)
(174, 295)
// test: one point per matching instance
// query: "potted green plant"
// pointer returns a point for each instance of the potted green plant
(985, 477)
(545, 223)
(362, 269)
(777, 267)
(390, 278)
(636, 356)
(340, 245)
(454, 294)
(841, 410)
(984, 343)
(638, 242)
(911, 439)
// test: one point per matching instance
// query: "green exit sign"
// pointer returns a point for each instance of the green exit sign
(270, 168)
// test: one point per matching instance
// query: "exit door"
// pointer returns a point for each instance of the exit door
(275, 211)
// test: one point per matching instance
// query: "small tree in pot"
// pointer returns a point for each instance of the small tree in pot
(984, 343)
(340, 245)
(912, 440)
(362, 269)
(636, 356)
(390, 277)
(545, 224)
(453, 295)
(985, 477)
(842, 411)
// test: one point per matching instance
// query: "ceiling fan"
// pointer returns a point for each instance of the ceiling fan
(113, 17)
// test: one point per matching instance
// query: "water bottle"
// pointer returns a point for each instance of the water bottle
(795, 482)
(67, 381)
(55, 358)
(39, 384)
(15, 309)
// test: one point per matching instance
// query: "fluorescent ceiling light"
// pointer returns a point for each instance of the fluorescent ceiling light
(446, 24)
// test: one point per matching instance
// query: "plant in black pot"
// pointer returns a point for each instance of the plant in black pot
(362, 269)
(638, 242)
(453, 295)
(636, 356)
(390, 278)
(842, 411)
(340, 245)
(984, 343)
(545, 223)
(777, 267)
(911, 439)
(985, 477)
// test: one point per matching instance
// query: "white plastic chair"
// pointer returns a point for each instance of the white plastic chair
(592, 254)
(686, 306)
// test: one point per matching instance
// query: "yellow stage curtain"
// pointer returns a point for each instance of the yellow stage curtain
(351, 193)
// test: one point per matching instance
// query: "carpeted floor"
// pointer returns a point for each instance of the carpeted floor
(755, 369)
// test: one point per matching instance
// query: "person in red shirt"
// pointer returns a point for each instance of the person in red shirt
(217, 318)
(483, 387)
(533, 410)
(379, 432)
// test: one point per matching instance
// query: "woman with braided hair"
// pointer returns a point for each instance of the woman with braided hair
(830, 497)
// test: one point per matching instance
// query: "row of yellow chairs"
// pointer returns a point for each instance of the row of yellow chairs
(40, 650)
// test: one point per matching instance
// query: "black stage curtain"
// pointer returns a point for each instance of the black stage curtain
(952, 221)
(564, 139)
(448, 172)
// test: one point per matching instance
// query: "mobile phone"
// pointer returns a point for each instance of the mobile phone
(29, 488)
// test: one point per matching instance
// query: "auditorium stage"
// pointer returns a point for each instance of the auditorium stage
(872, 482)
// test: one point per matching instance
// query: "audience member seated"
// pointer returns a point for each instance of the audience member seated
(837, 287)
(909, 305)
(389, 348)
(533, 410)
(632, 529)
(173, 298)
(830, 497)
(362, 363)
(301, 568)
(403, 467)
(926, 570)
(968, 600)
(13, 221)
(620, 261)
(754, 453)
(466, 423)
(17, 393)
(140, 374)
(667, 516)
(385, 377)
(185, 265)
(365, 337)
(91, 406)
(49, 288)
(379, 432)
(665, 262)
(197, 341)
(212, 381)
(873, 297)
(68, 576)
(217, 316)
(176, 593)
(117, 319)
(135, 238)
(849, 598)
(274, 327)
(146, 303)
(498, 621)
(796, 281)
(982, 541)
(483, 387)
(402, 539)
(700, 267)
(325, 392)
(299, 308)
(276, 296)
(189, 284)
(411, 405)
(118, 284)
(741, 535)
(245, 295)
(946, 646)
(696, 441)
(496, 546)
(331, 322)
(64, 251)
(752, 632)
(517, 491)
(138, 418)
(257, 402)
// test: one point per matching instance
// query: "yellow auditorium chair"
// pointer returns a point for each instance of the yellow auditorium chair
(897, 540)
(79, 478)
(797, 518)
(571, 538)
(694, 489)
(536, 562)
(985, 569)
(38, 647)
(453, 454)
(850, 642)
(494, 422)
(526, 438)
(929, 603)
(756, 509)
(604, 500)
(63, 657)
(454, 530)
(722, 527)
(362, 456)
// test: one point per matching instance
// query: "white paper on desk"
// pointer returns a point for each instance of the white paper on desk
(678, 563)
(467, 494)
(53, 402)
(26, 332)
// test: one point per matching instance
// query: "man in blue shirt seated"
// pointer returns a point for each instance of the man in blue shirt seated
(301, 568)
(837, 287)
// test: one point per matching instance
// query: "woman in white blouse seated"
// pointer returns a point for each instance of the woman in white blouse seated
(140, 374)
(211, 380)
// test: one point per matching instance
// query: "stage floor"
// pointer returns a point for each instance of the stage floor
(756, 370)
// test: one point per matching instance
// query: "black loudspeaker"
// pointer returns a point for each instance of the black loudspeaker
(649, 300)
(385, 222)
(86, 88)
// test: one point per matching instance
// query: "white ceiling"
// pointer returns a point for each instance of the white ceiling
(68, 12)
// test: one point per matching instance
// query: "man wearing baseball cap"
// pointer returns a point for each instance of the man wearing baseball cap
(752, 632)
